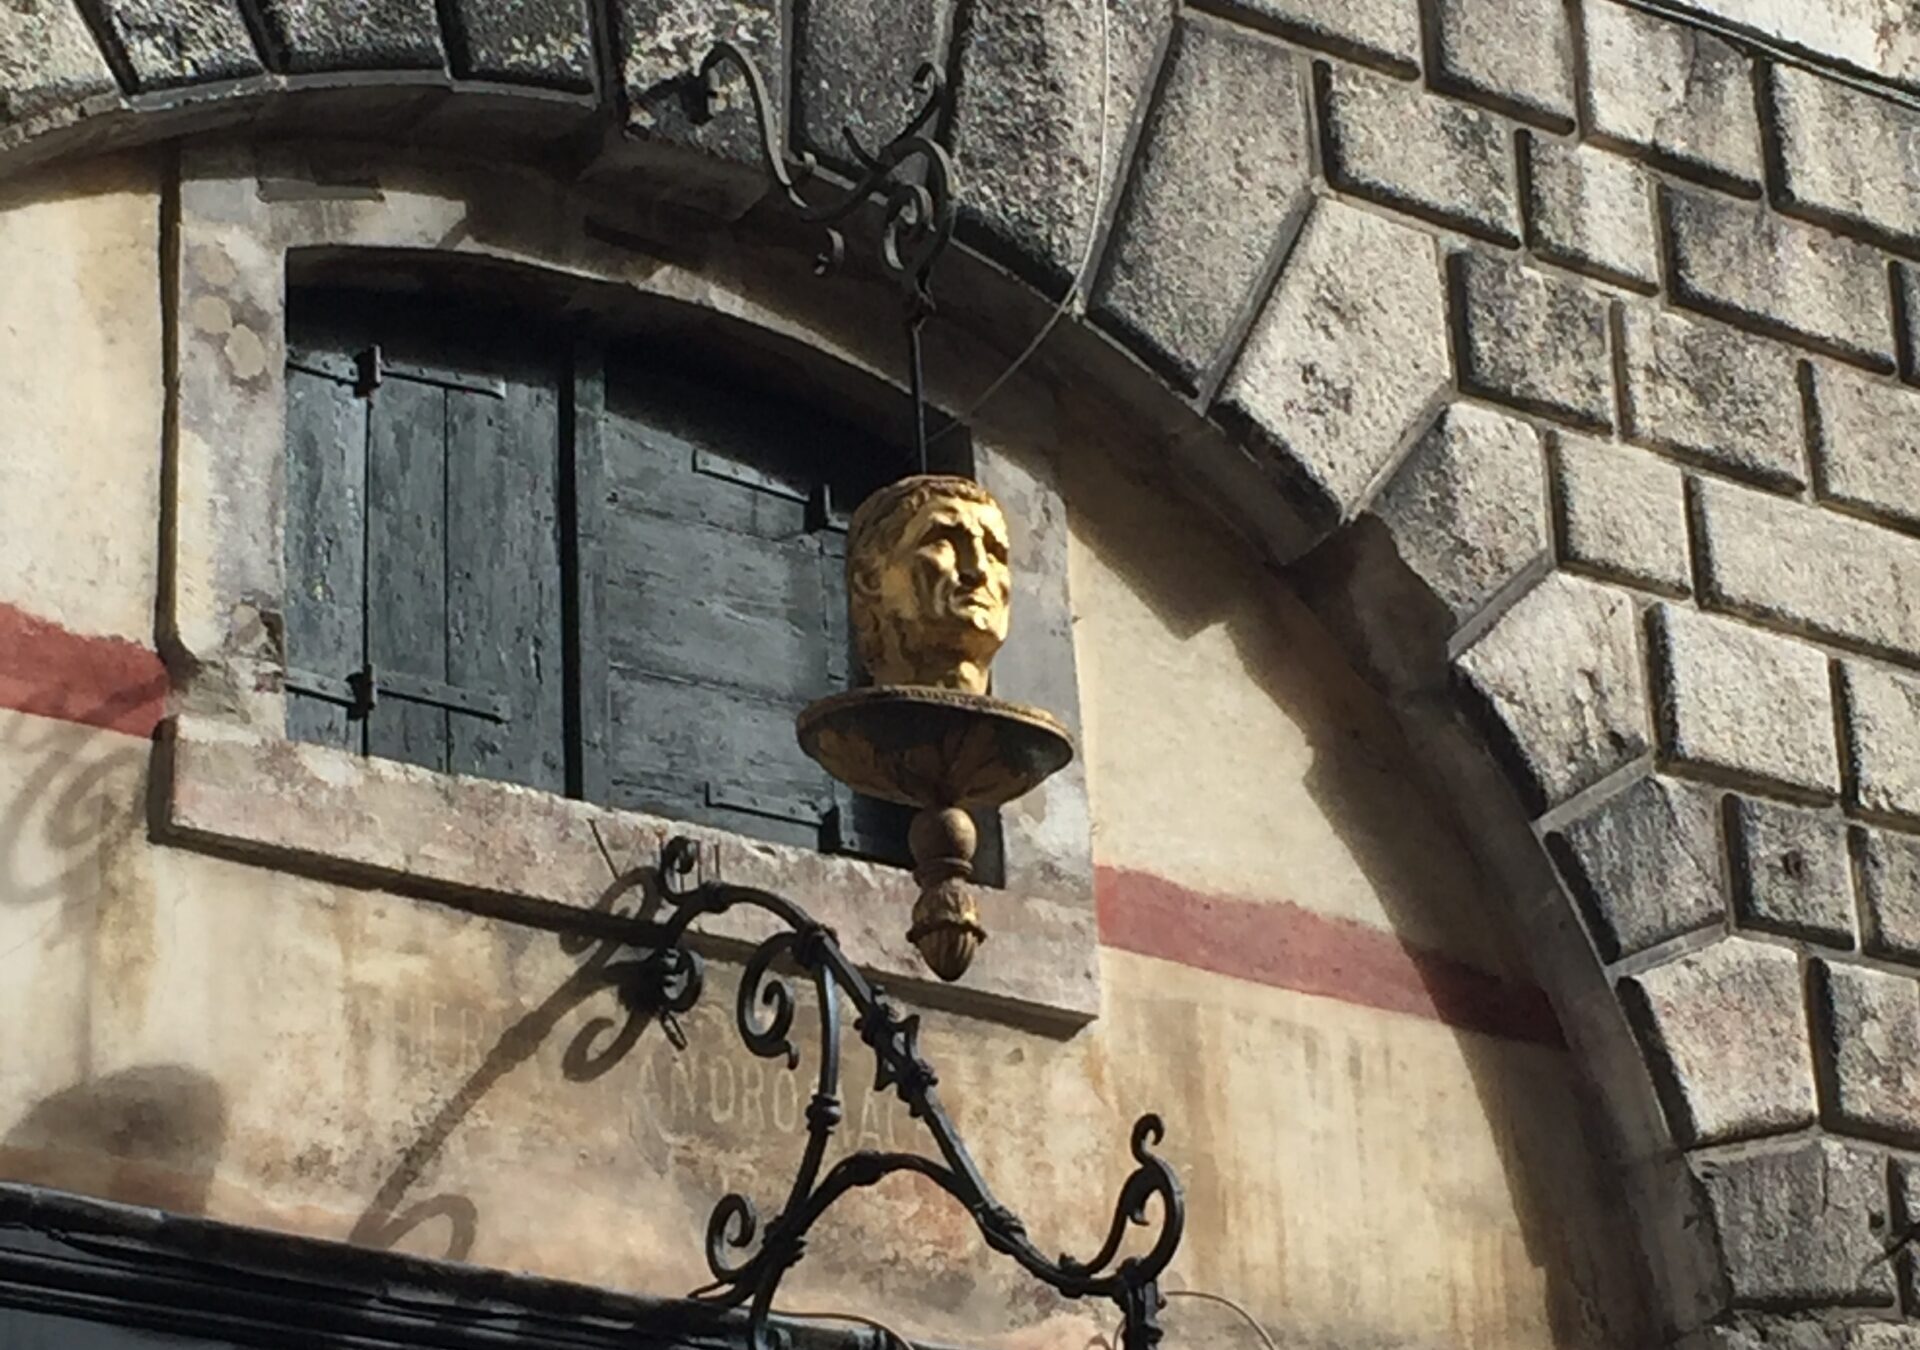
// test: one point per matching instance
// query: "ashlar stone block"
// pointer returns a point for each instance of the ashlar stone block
(1591, 210)
(1559, 687)
(1671, 90)
(1466, 509)
(1531, 340)
(1711, 393)
(1843, 154)
(661, 45)
(1889, 871)
(1807, 284)
(1740, 701)
(1802, 567)
(47, 60)
(1027, 132)
(853, 66)
(1865, 438)
(1791, 871)
(1515, 55)
(1310, 389)
(1725, 1030)
(177, 42)
(1882, 737)
(1620, 513)
(322, 35)
(1177, 278)
(1389, 141)
(1868, 1027)
(1644, 865)
(1383, 32)
(545, 43)
(1803, 1225)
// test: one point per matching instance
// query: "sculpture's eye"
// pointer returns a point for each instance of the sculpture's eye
(997, 547)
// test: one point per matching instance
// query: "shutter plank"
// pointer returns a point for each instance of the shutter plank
(584, 574)
(325, 545)
(407, 565)
(503, 595)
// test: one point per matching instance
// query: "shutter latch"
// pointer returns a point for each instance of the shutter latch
(362, 690)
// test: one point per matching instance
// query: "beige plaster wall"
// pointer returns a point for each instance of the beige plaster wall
(265, 1048)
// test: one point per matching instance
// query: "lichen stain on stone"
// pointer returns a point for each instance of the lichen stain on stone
(211, 314)
(211, 264)
(246, 355)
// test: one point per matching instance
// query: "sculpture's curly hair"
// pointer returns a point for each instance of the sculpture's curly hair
(875, 533)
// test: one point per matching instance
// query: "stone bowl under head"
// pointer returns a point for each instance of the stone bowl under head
(931, 748)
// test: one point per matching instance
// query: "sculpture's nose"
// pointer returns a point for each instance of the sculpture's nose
(971, 560)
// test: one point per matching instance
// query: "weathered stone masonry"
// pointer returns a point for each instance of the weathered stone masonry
(1597, 326)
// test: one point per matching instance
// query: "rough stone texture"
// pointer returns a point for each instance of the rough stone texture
(1621, 514)
(537, 42)
(1711, 393)
(1514, 54)
(1385, 32)
(1867, 1026)
(1841, 154)
(1309, 387)
(1559, 684)
(1802, 1333)
(1673, 90)
(47, 59)
(1725, 1032)
(317, 35)
(1466, 509)
(1879, 36)
(853, 67)
(1882, 739)
(176, 42)
(1645, 865)
(1177, 278)
(1801, 1226)
(1027, 132)
(662, 43)
(1535, 341)
(1386, 140)
(1739, 260)
(1807, 568)
(1791, 872)
(1865, 439)
(1588, 209)
(1737, 700)
(1889, 870)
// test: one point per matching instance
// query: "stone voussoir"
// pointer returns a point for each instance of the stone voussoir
(1725, 1031)
(1805, 568)
(1534, 341)
(1712, 394)
(1175, 279)
(1738, 701)
(1466, 508)
(1309, 390)
(1867, 1024)
(1559, 687)
(48, 61)
(1644, 865)
(1391, 143)
(853, 66)
(1515, 55)
(331, 35)
(170, 43)
(1743, 262)
(545, 43)
(1844, 156)
(1801, 1225)
(1791, 871)
(1589, 209)
(1671, 91)
(1385, 33)
(1620, 514)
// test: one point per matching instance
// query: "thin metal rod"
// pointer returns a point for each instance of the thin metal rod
(917, 378)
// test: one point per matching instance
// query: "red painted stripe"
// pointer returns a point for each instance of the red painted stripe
(1288, 947)
(96, 681)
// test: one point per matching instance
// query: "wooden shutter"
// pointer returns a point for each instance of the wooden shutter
(423, 548)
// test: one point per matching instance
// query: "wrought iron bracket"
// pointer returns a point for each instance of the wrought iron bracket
(912, 175)
(748, 1260)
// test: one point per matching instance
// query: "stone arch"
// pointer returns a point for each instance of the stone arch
(1557, 369)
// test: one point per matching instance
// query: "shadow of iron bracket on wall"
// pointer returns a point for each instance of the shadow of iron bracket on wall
(666, 979)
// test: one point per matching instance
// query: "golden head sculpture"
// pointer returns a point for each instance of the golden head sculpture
(929, 583)
(929, 580)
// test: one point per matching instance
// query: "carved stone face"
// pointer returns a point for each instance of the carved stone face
(929, 583)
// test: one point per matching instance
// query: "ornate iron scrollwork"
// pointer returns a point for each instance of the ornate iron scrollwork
(748, 1261)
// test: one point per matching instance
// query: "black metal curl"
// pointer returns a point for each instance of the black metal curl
(765, 1013)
